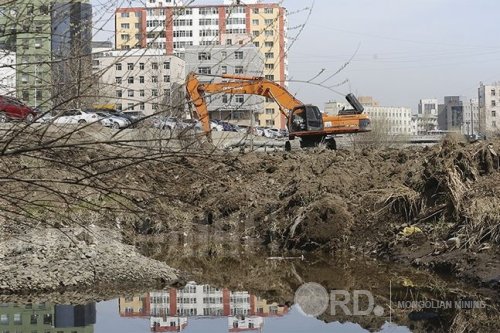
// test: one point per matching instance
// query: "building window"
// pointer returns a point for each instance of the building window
(492, 92)
(268, 21)
(238, 70)
(229, 42)
(238, 55)
(118, 66)
(154, 106)
(256, 10)
(141, 106)
(166, 65)
(125, 26)
(118, 79)
(26, 95)
(141, 93)
(493, 103)
(269, 111)
(269, 33)
(141, 79)
(154, 65)
(239, 99)
(154, 92)
(166, 78)
(154, 79)
(44, 9)
(24, 78)
(269, 44)
(269, 122)
(257, 44)
(269, 66)
(119, 106)
(269, 55)
(141, 66)
(270, 77)
(493, 113)
(124, 14)
(204, 70)
(204, 56)
(130, 79)
(224, 99)
(494, 124)
(130, 106)
(268, 10)
(224, 69)
(255, 22)
(118, 93)
(255, 33)
(130, 93)
(130, 66)
(38, 43)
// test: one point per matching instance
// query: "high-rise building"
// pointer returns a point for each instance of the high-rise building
(53, 53)
(427, 116)
(166, 25)
(489, 105)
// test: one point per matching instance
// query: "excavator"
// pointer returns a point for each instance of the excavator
(304, 121)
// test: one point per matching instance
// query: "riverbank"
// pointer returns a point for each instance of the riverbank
(435, 208)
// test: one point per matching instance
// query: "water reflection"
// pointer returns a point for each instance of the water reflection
(47, 318)
(170, 310)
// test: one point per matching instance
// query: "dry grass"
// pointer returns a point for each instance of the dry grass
(482, 222)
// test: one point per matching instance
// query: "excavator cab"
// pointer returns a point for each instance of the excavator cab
(305, 118)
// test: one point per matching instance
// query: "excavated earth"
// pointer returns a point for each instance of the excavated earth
(436, 208)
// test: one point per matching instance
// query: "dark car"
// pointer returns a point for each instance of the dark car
(14, 109)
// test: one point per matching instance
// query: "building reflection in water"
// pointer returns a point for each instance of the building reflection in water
(169, 310)
(47, 318)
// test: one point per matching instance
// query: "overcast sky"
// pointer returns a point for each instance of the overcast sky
(406, 49)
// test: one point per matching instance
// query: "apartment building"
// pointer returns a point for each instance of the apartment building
(7, 73)
(229, 59)
(146, 80)
(163, 24)
(390, 120)
(489, 107)
(52, 45)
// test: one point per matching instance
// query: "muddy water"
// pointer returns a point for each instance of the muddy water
(247, 289)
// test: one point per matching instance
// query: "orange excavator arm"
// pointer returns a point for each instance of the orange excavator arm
(239, 85)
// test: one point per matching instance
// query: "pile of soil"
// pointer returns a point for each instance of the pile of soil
(432, 207)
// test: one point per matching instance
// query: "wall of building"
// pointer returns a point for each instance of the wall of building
(489, 108)
(235, 59)
(390, 120)
(141, 80)
(7, 73)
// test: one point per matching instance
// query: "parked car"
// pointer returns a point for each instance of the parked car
(13, 109)
(215, 126)
(169, 123)
(269, 133)
(259, 131)
(133, 116)
(191, 124)
(76, 116)
(113, 120)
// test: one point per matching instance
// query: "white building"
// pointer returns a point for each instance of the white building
(7, 73)
(427, 116)
(489, 107)
(144, 80)
(333, 107)
(391, 120)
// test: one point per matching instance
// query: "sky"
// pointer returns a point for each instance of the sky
(398, 51)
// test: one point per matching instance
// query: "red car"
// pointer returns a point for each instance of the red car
(11, 108)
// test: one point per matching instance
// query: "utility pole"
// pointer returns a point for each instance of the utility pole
(472, 117)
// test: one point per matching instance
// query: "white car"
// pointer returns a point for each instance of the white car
(76, 116)
(113, 121)
(269, 133)
(216, 127)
